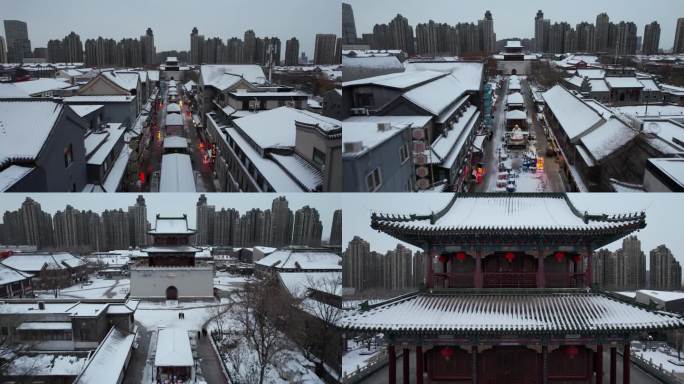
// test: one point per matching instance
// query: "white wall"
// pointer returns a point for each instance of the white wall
(191, 282)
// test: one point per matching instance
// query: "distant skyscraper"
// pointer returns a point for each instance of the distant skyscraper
(679, 36)
(487, 33)
(665, 271)
(631, 265)
(149, 55)
(539, 32)
(355, 266)
(336, 229)
(225, 222)
(602, 32)
(56, 52)
(196, 47)
(250, 47)
(401, 35)
(292, 52)
(303, 60)
(626, 38)
(324, 53)
(651, 43)
(205, 222)
(115, 229)
(3, 50)
(73, 48)
(281, 222)
(348, 25)
(137, 223)
(18, 43)
(308, 228)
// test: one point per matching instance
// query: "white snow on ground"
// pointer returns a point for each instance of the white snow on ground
(154, 315)
(664, 356)
(99, 289)
(47, 364)
(357, 358)
(224, 279)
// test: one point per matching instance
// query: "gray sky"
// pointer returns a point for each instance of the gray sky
(173, 20)
(663, 215)
(516, 18)
(176, 204)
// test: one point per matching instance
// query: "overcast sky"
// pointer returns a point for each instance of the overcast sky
(173, 20)
(516, 18)
(176, 204)
(664, 214)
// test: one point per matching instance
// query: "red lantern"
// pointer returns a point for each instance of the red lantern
(510, 256)
(577, 258)
(460, 256)
(141, 177)
(442, 258)
(447, 353)
(571, 351)
(559, 256)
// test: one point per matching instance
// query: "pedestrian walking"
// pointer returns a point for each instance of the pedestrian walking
(179, 315)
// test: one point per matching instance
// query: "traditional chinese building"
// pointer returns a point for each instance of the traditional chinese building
(171, 271)
(507, 295)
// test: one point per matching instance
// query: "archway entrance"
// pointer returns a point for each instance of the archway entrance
(172, 293)
(514, 72)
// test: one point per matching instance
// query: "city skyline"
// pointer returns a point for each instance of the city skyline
(519, 22)
(661, 210)
(172, 29)
(181, 203)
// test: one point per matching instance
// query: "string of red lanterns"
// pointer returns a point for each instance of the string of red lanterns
(447, 353)
(509, 256)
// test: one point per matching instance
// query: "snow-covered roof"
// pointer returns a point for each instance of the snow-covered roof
(113, 133)
(45, 326)
(372, 62)
(598, 85)
(399, 80)
(99, 99)
(509, 312)
(224, 76)
(574, 116)
(171, 249)
(305, 172)
(175, 142)
(575, 80)
(661, 296)
(505, 212)
(173, 348)
(9, 275)
(85, 110)
(36, 262)
(469, 74)
(11, 175)
(153, 75)
(173, 119)
(22, 119)
(672, 167)
(369, 134)
(591, 73)
(31, 87)
(302, 259)
(623, 82)
(652, 110)
(177, 174)
(516, 115)
(608, 138)
(108, 360)
(173, 108)
(515, 98)
(115, 175)
(514, 44)
(276, 128)
(649, 85)
(446, 143)
(298, 283)
(171, 226)
(125, 80)
(437, 95)
(45, 364)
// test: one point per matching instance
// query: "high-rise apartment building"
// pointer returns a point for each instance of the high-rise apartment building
(18, 43)
(3, 50)
(336, 229)
(487, 34)
(308, 228)
(281, 222)
(679, 36)
(292, 52)
(602, 32)
(138, 224)
(149, 54)
(205, 222)
(196, 46)
(665, 271)
(324, 50)
(348, 25)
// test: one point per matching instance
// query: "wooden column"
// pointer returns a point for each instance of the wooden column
(474, 364)
(428, 268)
(599, 364)
(392, 357)
(613, 365)
(406, 376)
(419, 364)
(541, 278)
(545, 364)
(626, 363)
(588, 271)
(478, 268)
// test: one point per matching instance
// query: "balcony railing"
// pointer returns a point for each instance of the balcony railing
(455, 279)
(510, 279)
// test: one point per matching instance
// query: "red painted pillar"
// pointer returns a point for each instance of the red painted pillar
(406, 368)
(613, 365)
(478, 269)
(599, 364)
(541, 278)
(588, 272)
(392, 357)
(626, 364)
(419, 364)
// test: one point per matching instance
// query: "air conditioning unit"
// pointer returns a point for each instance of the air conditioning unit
(359, 111)
(384, 127)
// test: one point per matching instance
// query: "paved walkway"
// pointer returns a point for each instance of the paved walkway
(209, 362)
(136, 367)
